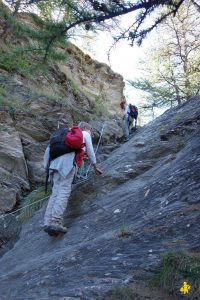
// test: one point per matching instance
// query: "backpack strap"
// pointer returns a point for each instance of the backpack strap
(47, 175)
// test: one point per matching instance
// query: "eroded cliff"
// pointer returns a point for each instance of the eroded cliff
(32, 107)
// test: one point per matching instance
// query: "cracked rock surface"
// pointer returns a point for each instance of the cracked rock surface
(149, 191)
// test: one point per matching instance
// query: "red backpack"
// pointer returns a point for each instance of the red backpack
(64, 140)
(74, 138)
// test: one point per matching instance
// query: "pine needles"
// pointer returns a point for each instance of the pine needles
(29, 42)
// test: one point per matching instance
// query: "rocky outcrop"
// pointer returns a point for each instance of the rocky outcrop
(25, 136)
(13, 167)
(101, 85)
(120, 223)
(33, 103)
(32, 108)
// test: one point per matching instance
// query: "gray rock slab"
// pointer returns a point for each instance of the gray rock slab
(157, 206)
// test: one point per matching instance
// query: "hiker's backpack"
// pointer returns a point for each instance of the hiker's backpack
(133, 111)
(64, 140)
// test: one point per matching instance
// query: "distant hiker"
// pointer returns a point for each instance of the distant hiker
(130, 113)
(62, 170)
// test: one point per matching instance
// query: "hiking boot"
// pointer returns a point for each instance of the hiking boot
(126, 140)
(55, 229)
(62, 229)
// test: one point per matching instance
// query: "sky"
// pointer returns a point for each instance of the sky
(124, 59)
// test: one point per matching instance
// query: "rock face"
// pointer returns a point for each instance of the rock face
(145, 204)
(13, 167)
(95, 79)
(36, 108)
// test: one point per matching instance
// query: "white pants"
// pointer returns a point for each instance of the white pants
(126, 127)
(59, 198)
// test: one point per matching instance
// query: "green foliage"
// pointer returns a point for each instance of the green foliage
(5, 102)
(171, 70)
(2, 94)
(75, 87)
(99, 105)
(33, 202)
(25, 60)
(4, 175)
(121, 293)
(9, 103)
(179, 117)
(174, 269)
(37, 92)
(157, 95)
(12, 61)
(124, 232)
(16, 104)
(39, 40)
(59, 19)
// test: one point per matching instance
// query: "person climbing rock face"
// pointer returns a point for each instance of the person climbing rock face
(126, 120)
(130, 112)
(61, 171)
